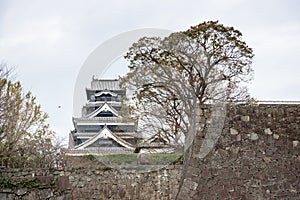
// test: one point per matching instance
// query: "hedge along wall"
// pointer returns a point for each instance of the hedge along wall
(256, 157)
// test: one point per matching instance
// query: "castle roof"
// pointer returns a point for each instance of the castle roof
(108, 84)
(105, 133)
(101, 121)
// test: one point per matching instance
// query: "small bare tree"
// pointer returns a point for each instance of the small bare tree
(25, 136)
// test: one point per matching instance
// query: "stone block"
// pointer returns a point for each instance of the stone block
(199, 112)
(45, 180)
(62, 183)
(5, 196)
(268, 131)
(275, 136)
(245, 118)
(253, 136)
(295, 143)
(222, 152)
(21, 191)
(233, 131)
(6, 190)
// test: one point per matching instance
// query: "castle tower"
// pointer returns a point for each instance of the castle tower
(101, 129)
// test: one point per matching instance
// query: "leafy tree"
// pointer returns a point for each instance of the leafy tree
(172, 77)
(25, 137)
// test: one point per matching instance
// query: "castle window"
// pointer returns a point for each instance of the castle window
(105, 114)
(105, 97)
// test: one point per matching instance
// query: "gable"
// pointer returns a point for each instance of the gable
(104, 142)
(105, 134)
(105, 108)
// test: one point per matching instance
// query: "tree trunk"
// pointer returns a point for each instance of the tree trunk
(192, 148)
(211, 121)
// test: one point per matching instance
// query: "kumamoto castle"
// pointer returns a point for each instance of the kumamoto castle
(101, 130)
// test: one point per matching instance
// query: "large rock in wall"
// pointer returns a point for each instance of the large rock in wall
(256, 157)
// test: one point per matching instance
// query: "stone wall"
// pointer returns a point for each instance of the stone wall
(89, 179)
(112, 184)
(256, 157)
(33, 184)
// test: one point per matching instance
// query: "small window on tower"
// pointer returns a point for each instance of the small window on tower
(105, 114)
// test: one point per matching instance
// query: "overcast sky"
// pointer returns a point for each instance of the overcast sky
(48, 41)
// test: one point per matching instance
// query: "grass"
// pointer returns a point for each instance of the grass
(137, 159)
(161, 158)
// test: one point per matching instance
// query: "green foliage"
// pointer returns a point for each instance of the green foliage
(18, 183)
(106, 168)
(25, 136)
(53, 182)
(89, 157)
(15, 183)
(161, 158)
(15, 161)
